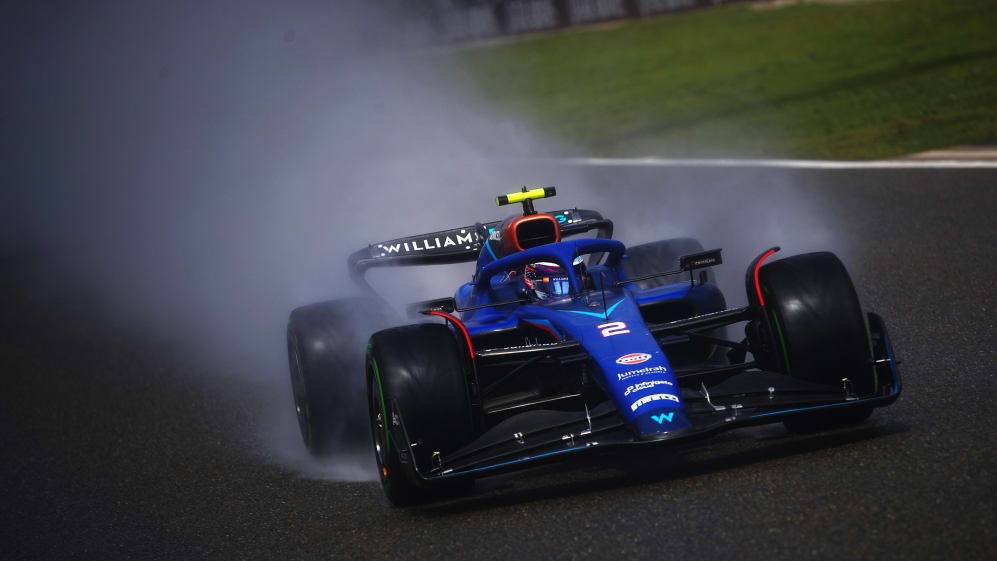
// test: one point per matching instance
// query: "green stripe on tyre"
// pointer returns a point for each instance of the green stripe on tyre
(384, 410)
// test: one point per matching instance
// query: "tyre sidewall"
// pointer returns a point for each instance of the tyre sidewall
(418, 371)
(819, 331)
(325, 354)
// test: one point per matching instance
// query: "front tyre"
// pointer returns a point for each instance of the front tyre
(419, 408)
(819, 333)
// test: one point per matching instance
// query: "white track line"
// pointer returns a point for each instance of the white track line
(789, 164)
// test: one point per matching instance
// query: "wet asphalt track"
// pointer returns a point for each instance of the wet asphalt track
(113, 447)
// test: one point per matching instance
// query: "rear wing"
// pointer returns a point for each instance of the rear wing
(459, 245)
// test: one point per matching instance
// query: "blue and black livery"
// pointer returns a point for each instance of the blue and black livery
(640, 351)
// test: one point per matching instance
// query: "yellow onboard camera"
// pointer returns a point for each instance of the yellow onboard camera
(526, 197)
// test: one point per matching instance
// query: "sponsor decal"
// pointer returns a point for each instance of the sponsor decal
(528, 345)
(641, 372)
(663, 417)
(455, 239)
(702, 259)
(613, 328)
(649, 398)
(565, 217)
(633, 358)
(464, 238)
(645, 386)
(704, 262)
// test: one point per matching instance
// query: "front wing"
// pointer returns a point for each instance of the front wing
(752, 397)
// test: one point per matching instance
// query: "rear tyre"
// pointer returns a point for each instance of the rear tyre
(416, 380)
(819, 332)
(325, 355)
(663, 256)
(659, 257)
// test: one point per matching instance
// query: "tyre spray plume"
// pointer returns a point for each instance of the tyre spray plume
(207, 168)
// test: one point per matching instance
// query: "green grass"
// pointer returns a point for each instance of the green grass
(864, 80)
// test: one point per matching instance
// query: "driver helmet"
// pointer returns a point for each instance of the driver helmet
(549, 280)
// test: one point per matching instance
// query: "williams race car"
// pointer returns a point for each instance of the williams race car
(559, 347)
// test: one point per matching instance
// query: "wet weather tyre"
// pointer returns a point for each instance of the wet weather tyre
(417, 392)
(658, 257)
(662, 256)
(819, 332)
(325, 348)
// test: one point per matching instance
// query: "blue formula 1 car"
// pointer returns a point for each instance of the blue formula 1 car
(560, 347)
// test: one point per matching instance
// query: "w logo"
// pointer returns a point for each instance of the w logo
(663, 417)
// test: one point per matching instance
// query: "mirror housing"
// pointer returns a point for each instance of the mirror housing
(446, 305)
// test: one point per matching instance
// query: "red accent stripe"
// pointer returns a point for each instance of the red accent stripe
(461, 326)
(545, 328)
(758, 286)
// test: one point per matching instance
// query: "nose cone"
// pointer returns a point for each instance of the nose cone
(661, 424)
